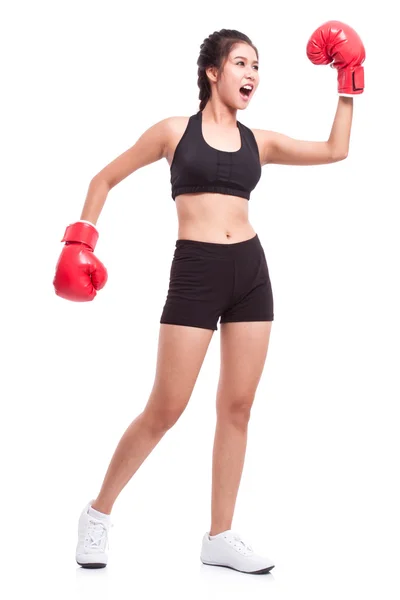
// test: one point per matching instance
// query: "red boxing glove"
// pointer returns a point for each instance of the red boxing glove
(78, 272)
(338, 42)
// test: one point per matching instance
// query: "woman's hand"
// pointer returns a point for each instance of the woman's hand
(337, 44)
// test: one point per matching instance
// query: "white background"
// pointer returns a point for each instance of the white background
(81, 81)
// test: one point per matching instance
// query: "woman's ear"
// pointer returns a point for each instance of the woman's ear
(212, 73)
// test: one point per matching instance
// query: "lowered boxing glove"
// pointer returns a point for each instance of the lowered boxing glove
(337, 43)
(78, 272)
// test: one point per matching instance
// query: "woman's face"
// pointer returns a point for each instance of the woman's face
(240, 68)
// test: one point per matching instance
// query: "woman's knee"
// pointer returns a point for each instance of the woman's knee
(162, 411)
(235, 409)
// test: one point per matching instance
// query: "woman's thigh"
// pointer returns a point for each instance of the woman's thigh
(181, 352)
(244, 348)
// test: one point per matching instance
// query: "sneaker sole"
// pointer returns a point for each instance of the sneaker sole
(92, 565)
(259, 572)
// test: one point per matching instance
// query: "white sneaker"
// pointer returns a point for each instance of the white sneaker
(92, 548)
(229, 550)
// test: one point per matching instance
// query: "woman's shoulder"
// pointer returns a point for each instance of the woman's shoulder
(176, 123)
(176, 127)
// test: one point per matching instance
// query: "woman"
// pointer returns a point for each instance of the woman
(218, 270)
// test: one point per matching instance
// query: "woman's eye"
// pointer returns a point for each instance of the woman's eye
(241, 62)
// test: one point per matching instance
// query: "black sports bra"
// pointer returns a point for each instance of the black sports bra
(197, 167)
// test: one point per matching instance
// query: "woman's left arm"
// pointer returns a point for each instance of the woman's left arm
(281, 149)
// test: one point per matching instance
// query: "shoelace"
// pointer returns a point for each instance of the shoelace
(96, 533)
(238, 538)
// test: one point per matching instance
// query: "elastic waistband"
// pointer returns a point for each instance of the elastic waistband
(224, 247)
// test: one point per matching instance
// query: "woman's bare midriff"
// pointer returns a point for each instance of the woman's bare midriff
(215, 218)
(205, 217)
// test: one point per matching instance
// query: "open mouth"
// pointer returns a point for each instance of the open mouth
(245, 92)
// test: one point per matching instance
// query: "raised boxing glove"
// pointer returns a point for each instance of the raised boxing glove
(337, 43)
(78, 272)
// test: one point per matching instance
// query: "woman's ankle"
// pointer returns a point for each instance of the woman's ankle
(101, 507)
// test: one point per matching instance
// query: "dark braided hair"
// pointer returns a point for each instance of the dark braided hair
(213, 52)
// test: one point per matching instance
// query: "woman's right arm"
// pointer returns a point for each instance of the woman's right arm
(150, 147)
(79, 273)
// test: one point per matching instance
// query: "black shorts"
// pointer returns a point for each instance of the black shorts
(208, 281)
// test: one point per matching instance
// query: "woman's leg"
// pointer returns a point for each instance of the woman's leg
(244, 349)
(181, 352)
